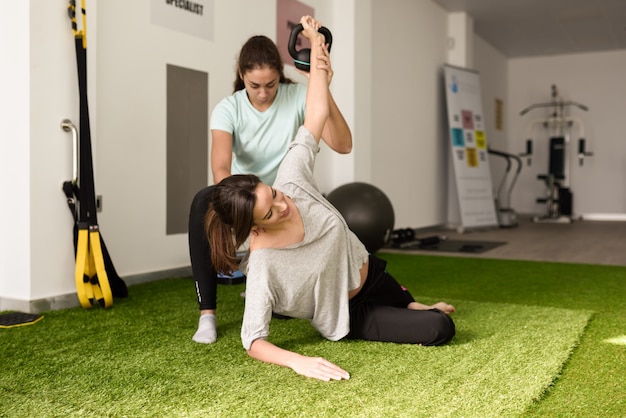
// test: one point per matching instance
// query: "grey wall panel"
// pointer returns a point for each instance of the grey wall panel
(187, 142)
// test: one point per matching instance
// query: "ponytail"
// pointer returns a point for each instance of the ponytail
(223, 250)
(230, 218)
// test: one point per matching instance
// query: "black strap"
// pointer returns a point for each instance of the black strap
(87, 195)
(70, 190)
(82, 195)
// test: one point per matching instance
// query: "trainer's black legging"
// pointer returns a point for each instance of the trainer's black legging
(379, 313)
(204, 274)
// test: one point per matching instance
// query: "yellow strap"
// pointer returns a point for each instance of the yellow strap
(83, 287)
(92, 281)
(71, 11)
(83, 10)
(104, 296)
(72, 14)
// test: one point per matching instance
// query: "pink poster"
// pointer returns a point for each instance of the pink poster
(288, 14)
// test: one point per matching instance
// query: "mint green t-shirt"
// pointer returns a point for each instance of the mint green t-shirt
(260, 139)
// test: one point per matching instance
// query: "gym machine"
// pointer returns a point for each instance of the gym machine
(507, 217)
(558, 196)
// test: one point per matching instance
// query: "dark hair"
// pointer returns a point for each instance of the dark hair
(258, 51)
(230, 218)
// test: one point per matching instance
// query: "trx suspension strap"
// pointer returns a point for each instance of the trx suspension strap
(93, 284)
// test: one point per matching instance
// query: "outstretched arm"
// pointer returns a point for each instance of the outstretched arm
(317, 96)
(315, 367)
(336, 132)
(221, 154)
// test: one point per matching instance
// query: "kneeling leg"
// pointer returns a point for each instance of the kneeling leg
(401, 325)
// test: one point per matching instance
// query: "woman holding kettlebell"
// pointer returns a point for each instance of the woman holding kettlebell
(252, 130)
(304, 261)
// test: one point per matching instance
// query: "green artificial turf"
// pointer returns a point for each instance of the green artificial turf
(517, 323)
(592, 383)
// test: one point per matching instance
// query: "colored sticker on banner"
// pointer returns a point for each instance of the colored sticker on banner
(457, 137)
(478, 122)
(468, 120)
(472, 157)
(481, 142)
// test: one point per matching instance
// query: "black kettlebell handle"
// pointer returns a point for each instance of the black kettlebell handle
(302, 58)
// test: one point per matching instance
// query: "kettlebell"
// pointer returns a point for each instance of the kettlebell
(302, 58)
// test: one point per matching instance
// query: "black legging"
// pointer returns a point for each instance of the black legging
(379, 313)
(204, 274)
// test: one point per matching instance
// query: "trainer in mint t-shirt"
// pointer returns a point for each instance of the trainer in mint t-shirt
(260, 139)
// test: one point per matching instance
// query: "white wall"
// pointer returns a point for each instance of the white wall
(14, 151)
(333, 170)
(54, 95)
(408, 154)
(39, 89)
(593, 79)
(492, 66)
(131, 128)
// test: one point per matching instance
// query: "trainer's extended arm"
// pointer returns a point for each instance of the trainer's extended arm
(315, 367)
(221, 154)
(317, 94)
(336, 134)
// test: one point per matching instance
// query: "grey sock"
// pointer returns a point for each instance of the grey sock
(207, 330)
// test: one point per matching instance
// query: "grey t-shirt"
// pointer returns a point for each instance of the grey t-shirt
(310, 279)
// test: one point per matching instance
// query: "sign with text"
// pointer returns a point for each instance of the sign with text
(194, 17)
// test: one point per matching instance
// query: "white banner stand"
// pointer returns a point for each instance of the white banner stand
(471, 203)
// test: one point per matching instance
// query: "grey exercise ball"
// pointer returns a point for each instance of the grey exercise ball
(367, 211)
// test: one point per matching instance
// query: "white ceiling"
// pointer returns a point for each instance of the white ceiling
(523, 28)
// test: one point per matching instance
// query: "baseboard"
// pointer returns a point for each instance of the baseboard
(70, 300)
(619, 217)
(158, 275)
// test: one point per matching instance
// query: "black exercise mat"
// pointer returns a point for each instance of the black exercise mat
(15, 319)
(451, 246)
